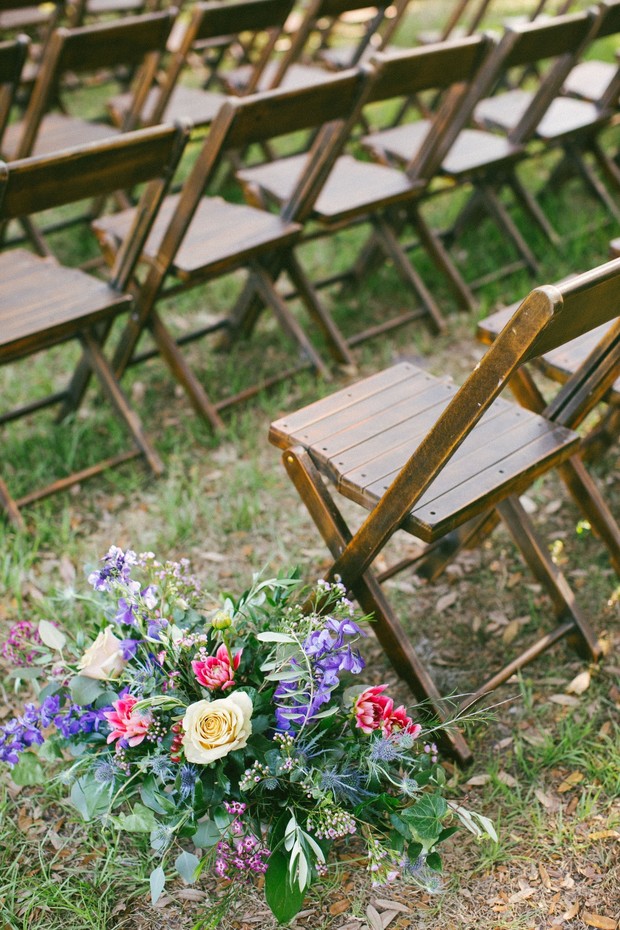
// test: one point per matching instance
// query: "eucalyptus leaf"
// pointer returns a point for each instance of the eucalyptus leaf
(157, 881)
(28, 672)
(85, 690)
(207, 834)
(51, 635)
(269, 637)
(186, 864)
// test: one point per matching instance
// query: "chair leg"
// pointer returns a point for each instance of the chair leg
(334, 338)
(435, 248)
(10, 507)
(505, 223)
(369, 595)
(181, 371)
(267, 292)
(537, 557)
(100, 366)
(407, 272)
(533, 209)
(593, 182)
(588, 498)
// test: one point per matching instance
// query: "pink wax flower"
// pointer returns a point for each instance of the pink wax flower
(216, 671)
(372, 708)
(128, 724)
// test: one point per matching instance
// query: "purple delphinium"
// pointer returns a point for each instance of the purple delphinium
(25, 731)
(117, 567)
(329, 655)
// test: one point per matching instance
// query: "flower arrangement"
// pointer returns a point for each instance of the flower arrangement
(233, 731)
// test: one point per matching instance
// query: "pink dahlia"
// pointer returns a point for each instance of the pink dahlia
(217, 671)
(126, 723)
(371, 708)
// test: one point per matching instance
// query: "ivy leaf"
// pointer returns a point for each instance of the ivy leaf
(284, 899)
(141, 820)
(186, 864)
(157, 881)
(85, 690)
(28, 770)
(426, 815)
(433, 861)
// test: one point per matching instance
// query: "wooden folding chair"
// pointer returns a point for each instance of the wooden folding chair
(12, 58)
(200, 238)
(255, 23)
(43, 304)
(484, 159)
(38, 22)
(465, 19)
(308, 59)
(386, 198)
(548, 117)
(133, 41)
(429, 459)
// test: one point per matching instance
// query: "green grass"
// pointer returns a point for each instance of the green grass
(226, 503)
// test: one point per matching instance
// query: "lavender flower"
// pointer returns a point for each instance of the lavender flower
(116, 569)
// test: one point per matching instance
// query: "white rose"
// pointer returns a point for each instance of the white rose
(104, 658)
(215, 728)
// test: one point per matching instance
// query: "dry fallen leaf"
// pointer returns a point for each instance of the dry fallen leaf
(565, 700)
(339, 907)
(446, 601)
(547, 800)
(476, 780)
(507, 779)
(571, 912)
(599, 921)
(579, 684)
(570, 781)
(374, 918)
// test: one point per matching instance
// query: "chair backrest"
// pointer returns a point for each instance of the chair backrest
(12, 57)
(447, 66)
(264, 19)
(467, 15)
(549, 317)
(120, 163)
(319, 22)
(333, 106)
(133, 41)
(608, 24)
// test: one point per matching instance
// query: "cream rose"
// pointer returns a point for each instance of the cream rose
(215, 728)
(104, 658)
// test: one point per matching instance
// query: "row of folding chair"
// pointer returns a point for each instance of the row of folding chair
(195, 239)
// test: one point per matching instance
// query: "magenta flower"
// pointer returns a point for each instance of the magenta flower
(217, 671)
(126, 723)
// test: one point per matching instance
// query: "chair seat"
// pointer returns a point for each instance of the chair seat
(503, 111)
(101, 7)
(55, 303)
(559, 364)
(566, 116)
(221, 235)
(295, 76)
(362, 436)
(57, 132)
(201, 106)
(472, 149)
(23, 19)
(589, 79)
(353, 187)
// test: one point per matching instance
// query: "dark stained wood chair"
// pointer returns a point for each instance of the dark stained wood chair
(308, 59)
(43, 304)
(546, 116)
(200, 238)
(425, 457)
(38, 22)
(385, 197)
(133, 41)
(12, 58)
(486, 160)
(255, 23)
(465, 19)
